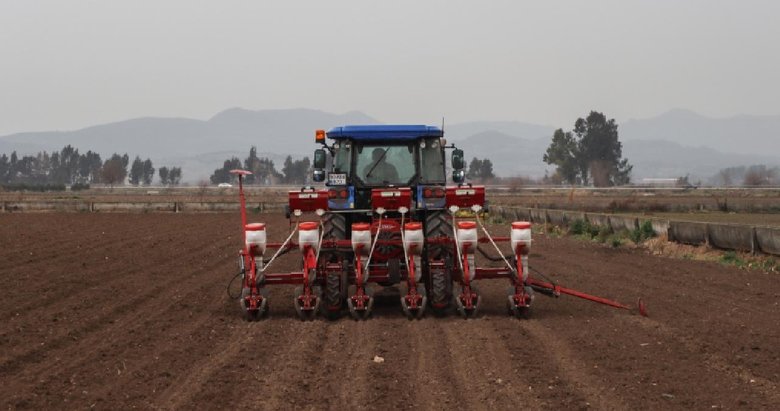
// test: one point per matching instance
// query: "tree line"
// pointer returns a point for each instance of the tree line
(69, 167)
(264, 171)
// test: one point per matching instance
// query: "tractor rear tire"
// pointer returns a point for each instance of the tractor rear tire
(335, 228)
(439, 224)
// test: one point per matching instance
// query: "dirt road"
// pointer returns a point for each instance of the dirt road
(130, 311)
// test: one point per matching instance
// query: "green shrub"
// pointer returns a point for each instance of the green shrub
(603, 233)
(769, 264)
(636, 236)
(642, 233)
(731, 258)
(578, 227)
(594, 230)
(646, 228)
(585, 229)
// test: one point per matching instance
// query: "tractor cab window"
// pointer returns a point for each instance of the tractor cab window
(431, 161)
(381, 165)
(343, 157)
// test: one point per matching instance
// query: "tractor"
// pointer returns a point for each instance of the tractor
(387, 218)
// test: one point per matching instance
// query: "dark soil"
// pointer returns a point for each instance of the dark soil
(128, 311)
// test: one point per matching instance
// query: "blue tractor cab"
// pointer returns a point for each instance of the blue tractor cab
(365, 157)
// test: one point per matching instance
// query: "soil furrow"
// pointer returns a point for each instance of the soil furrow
(444, 387)
(285, 381)
(67, 350)
(715, 362)
(535, 381)
(172, 340)
(575, 371)
(79, 303)
(184, 390)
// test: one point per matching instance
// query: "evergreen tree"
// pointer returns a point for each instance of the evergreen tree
(296, 171)
(174, 176)
(136, 171)
(89, 167)
(5, 168)
(480, 169)
(148, 172)
(486, 170)
(163, 171)
(475, 168)
(593, 153)
(222, 175)
(563, 152)
(263, 169)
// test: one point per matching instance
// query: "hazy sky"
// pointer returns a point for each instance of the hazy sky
(70, 64)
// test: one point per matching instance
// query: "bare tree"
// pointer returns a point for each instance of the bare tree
(758, 175)
(114, 170)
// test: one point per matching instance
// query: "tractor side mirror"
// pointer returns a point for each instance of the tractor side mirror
(458, 176)
(319, 159)
(457, 160)
(319, 165)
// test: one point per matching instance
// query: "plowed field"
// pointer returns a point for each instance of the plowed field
(130, 311)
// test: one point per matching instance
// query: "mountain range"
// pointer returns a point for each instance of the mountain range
(741, 134)
(673, 144)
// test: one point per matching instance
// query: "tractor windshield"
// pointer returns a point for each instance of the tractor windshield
(381, 165)
(431, 161)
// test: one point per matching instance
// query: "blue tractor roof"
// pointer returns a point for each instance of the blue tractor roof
(384, 132)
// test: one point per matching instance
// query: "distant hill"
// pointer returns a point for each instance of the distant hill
(8, 147)
(673, 144)
(511, 156)
(667, 159)
(740, 134)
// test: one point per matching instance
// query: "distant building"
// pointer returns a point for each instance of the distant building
(660, 182)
